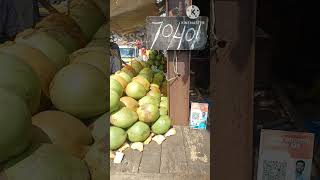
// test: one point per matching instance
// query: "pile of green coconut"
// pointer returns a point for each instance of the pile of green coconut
(138, 107)
(54, 97)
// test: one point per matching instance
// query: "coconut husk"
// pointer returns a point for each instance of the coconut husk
(159, 139)
(171, 132)
(123, 147)
(148, 140)
(118, 158)
(137, 146)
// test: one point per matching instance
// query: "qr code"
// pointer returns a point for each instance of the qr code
(274, 170)
(195, 115)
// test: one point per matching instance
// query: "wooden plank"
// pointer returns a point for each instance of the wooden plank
(173, 157)
(142, 177)
(179, 88)
(129, 164)
(197, 144)
(191, 177)
(201, 169)
(151, 158)
(233, 77)
(159, 177)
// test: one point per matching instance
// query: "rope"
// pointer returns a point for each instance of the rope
(214, 44)
(175, 68)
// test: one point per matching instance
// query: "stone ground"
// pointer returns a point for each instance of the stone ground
(183, 156)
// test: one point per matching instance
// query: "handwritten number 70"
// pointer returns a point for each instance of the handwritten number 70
(195, 34)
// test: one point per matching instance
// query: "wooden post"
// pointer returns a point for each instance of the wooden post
(179, 88)
(233, 78)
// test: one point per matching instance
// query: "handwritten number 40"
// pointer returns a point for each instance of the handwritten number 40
(185, 34)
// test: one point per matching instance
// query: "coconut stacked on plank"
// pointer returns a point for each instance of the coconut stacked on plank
(101, 38)
(138, 108)
(47, 97)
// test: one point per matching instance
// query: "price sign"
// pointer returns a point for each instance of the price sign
(176, 33)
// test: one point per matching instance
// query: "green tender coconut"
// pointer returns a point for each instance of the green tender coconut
(163, 111)
(162, 125)
(139, 132)
(129, 102)
(117, 137)
(116, 86)
(135, 90)
(156, 95)
(148, 113)
(15, 125)
(80, 90)
(64, 130)
(136, 65)
(164, 98)
(114, 101)
(94, 56)
(97, 160)
(146, 71)
(39, 62)
(98, 128)
(149, 100)
(164, 104)
(144, 64)
(88, 16)
(68, 42)
(47, 162)
(18, 77)
(148, 77)
(63, 23)
(158, 77)
(46, 44)
(124, 75)
(124, 118)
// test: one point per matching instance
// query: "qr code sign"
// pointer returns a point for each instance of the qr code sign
(274, 170)
(195, 115)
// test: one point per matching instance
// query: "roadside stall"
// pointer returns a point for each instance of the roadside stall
(149, 124)
(54, 94)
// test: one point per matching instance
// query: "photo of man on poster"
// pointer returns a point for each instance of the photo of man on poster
(300, 166)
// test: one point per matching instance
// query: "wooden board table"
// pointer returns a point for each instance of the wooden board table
(184, 156)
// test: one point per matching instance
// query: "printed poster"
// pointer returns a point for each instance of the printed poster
(285, 155)
(199, 115)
